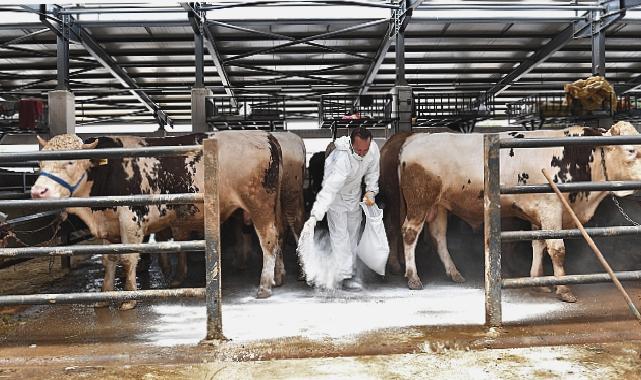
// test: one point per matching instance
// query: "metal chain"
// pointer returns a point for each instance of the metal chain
(614, 198)
(616, 203)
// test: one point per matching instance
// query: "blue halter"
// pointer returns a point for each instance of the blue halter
(64, 183)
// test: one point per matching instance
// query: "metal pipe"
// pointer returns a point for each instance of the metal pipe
(298, 3)
(114, 296)
(573, 187)
(531, 282)
(118, 10)
(508, 7)
(569, 141)
(116, 249)
(611, 231)
(106, 201)
(592, 245)
(52, 155)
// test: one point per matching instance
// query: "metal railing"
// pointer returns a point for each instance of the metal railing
(494, 283)
(535, 110)
(355, 110)
(453, 110)
(211, 243)
(243, 112)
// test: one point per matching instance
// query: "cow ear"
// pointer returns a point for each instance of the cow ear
(42, 141)
(90, 145)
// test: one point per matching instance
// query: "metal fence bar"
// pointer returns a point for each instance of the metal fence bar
(114, 296)
(106, 201)
(610, 231)
(49, 155)
(573, 187)
(117, 249)
(569, 141)
(492, 229)
(212, 242)
(527, 282)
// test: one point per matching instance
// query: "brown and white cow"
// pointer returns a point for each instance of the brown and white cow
(292, 197)
(250, 175)
(441, 173)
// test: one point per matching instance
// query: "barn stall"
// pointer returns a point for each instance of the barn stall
(426, 67)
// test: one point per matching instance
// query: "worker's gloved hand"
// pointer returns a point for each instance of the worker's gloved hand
(311, 222)
(307, 234)
(368, 199)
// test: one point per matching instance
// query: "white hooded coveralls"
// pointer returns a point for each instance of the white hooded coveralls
(340, 196)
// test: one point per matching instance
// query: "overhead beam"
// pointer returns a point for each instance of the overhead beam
(81, 35)
(590, 25)
(299, 41)
(386, 42)
(199, 26)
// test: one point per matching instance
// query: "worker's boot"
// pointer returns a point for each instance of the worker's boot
(352, 284)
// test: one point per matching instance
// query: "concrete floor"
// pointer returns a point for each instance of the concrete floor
(373, 334)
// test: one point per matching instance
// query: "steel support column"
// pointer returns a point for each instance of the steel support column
(598, 46)
(62, 57)
(212, 242)
(199, 26)
(492, 230)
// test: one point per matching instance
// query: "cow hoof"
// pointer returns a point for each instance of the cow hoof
(415, 284)
(128, 305)
(264, 293)
(456, 277)
(567, 297)
(101, 305)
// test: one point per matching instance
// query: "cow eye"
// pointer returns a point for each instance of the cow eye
(632, 151)
(69, 163)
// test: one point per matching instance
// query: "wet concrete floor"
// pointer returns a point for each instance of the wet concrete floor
(377, 333)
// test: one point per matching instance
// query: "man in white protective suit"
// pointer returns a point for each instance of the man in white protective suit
(354, 158)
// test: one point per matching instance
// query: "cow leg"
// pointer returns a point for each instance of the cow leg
(268, 235)
(419, 192)
(130, 234)
(556, 250)
(411, 229)
(536, 270)
(391, 219)
(129, 263)
(109, 262)
(180, 234)
(165, 264)
(438, 230)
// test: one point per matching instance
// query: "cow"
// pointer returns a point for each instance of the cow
(433, 182)
(249, 177)
(292, 197)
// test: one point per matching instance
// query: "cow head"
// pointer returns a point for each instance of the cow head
(60, 179)
(622, 162)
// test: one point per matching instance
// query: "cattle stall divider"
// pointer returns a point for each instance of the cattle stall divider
(210, 245)
(493, 236)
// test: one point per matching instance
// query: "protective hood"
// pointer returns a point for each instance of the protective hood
(343, 143)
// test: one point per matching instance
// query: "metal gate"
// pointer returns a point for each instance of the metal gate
(492, 208)
(211, 243)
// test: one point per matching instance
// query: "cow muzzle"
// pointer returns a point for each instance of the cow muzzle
(40, 192)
